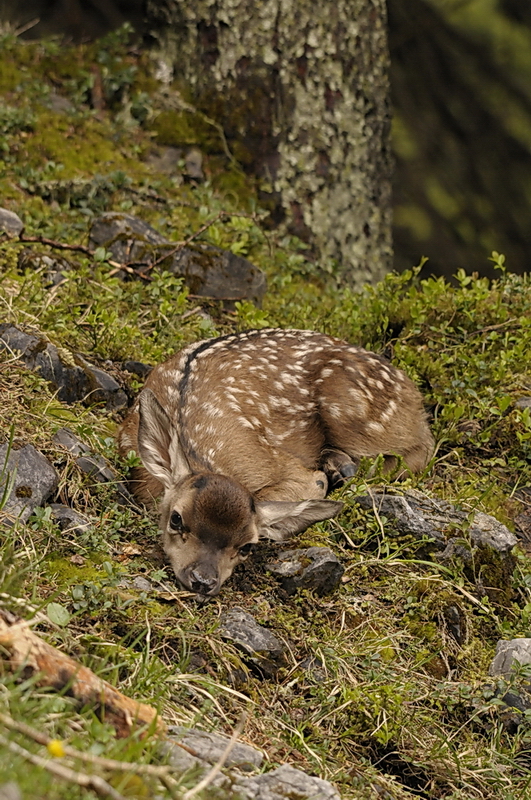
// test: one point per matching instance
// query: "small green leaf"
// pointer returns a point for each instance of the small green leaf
(58, 614)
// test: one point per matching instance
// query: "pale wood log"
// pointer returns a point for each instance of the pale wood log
(26, 651)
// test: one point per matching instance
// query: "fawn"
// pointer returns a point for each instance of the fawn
(243, 436)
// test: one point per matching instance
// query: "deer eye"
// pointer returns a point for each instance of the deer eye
(176, 521)
(246, 550)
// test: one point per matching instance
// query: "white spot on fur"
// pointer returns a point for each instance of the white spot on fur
(362, 407)
(377, 427)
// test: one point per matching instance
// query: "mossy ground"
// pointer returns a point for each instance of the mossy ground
(393, 704)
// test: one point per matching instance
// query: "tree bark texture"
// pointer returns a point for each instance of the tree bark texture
(301, 90)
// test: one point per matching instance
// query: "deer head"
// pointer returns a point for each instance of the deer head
(210, 522)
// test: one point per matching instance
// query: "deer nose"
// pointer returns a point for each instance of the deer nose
(202, 584)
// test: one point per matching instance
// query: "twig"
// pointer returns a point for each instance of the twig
(81, 248)
(26, 27)
(94, 782)
(493, 327)
(181, 245)
(88, 758)
(218, 766)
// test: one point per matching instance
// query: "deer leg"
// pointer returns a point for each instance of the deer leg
(338, 466)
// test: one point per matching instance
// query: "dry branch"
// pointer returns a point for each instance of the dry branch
(94, 782)
(27, 651)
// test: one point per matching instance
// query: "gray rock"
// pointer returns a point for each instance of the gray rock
(417, 522)
(210, 747)
(33, 481)
(127, 237)
(316, 568)
(59, 104)
(211, 272)
(193, 163)
(183, 762)
(285, 783)
(70, 442)
(142, 584)
(104, 388)
(137, 368)
(88, 462)
(313, 667)
(10, 791)
(207, 270)
(509, 653)
(92, 464)
(415, 513)
(523, 402)
(10, 222)
(73, 376)
(69, 520)
(139, 583)
(261, 647)
(165, 159)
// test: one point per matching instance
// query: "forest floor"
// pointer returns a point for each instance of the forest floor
(395, 703)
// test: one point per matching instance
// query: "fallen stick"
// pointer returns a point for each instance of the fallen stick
(94, 782)
(28, 652)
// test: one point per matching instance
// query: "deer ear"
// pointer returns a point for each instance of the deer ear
(280, 520)
(158, 442)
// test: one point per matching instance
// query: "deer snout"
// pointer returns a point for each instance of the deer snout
(203, 584)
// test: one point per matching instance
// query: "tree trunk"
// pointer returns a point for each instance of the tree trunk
(302, 94)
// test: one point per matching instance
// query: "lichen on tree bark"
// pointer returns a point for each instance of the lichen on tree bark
(302, 94)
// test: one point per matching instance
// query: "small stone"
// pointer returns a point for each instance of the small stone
(404, 516)
(137, 368)
(316, 568)
(127, 237)
(456, 623)
(166, 159)
(10, 223)
(509, 653)
(34, 481)
(285, 783)
(69, 520)
(104, 388)
(70, 442)
(142, 584)
(92, 464)
(96, 467)
(193, 162)
(182, 761)
(523, 402)
(210, 746)
(313, 666)
(262, 648)
(59, 104)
